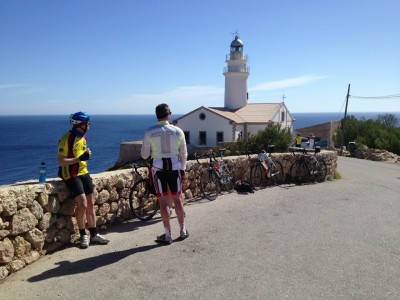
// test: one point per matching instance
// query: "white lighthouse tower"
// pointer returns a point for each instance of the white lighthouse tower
(236, 74)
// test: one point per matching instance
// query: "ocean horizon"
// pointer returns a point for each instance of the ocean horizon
(29, 140)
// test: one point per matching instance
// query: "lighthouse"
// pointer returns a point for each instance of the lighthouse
(236, 74)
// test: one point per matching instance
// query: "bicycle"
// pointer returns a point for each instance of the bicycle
(307, 168)
(266, 171)
(216, 175)
(142, 197)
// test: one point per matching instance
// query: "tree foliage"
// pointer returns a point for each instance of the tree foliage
(272, 134)
(382, 133)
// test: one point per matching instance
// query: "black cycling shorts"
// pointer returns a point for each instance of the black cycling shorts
(164, 180)
(79, 185)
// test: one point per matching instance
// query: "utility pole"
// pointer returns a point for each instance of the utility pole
(344, 120)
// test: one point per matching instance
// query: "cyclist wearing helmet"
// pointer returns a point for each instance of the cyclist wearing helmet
(73, 155)
(166, 145)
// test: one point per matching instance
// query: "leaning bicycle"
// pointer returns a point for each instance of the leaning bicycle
(266, 171)
(217, 176)
(142, 197)
(307, 168)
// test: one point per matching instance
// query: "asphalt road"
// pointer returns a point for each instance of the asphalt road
(334, 240)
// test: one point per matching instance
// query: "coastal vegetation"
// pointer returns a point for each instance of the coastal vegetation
(382, 133)
(272, 134)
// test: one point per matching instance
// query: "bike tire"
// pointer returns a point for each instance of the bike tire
(209, 184)
(228, 178)
(257, 176)
(275, 174)
(299, 172)
(320, 176)
(144, 204)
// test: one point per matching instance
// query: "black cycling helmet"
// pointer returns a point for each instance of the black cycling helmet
(79, 117)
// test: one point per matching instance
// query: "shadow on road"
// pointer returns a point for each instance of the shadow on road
(128, 226)
(66, 268)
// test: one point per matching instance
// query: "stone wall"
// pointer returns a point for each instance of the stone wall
(36, 219)
(325, 131)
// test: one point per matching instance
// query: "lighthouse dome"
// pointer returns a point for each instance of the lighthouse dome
(236, 42)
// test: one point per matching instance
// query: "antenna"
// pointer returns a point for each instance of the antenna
(283, 98)
(234, 34)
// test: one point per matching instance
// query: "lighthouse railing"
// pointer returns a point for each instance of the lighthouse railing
(237, 69)
(236, 56)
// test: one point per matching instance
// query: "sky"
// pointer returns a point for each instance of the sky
(126, 57)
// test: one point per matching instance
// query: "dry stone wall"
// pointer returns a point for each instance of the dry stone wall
(36, 219)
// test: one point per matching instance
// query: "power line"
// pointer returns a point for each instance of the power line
(376, 97)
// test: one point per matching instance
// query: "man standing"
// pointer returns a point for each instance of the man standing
(311, 141)
(73, 155)
(166, 145)
(297, 140)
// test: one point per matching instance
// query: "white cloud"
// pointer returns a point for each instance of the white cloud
(180, 99)
(10, 86)
(286, 83)
(21, 89)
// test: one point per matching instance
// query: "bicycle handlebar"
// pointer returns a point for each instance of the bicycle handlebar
(210, 156)
(304, 150)
(141, 164)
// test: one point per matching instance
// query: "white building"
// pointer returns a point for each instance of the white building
(237, 119)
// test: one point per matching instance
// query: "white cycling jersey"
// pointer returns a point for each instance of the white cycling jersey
(165, 141)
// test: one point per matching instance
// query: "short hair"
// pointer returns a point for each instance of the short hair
(162, 111)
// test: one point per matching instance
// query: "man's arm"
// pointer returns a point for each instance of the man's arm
(64, 161)
(183, 153)
(145, 150)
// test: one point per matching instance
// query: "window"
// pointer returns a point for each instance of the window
(187, 136)
(283, 116)
(202, 138)
(220, 136)
(202, 116)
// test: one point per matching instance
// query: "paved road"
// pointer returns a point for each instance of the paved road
(334, 240)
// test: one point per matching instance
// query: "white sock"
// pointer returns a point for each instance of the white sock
(167, 232)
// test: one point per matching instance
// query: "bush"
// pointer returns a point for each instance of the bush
(378, 134)
(273, 134)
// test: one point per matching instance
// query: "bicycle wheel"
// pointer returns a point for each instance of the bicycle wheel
(144, 204)
(299, 172)
(209, 184)
(257, 176)
(320, 171)
(228, 178)
(275, 174)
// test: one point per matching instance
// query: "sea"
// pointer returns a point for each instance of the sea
(27, 141)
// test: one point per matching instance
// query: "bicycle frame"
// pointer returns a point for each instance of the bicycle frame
(215, 175)
(142, 198)
(307, 167)
(266, 170)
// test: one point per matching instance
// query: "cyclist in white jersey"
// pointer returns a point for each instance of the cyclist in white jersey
(166, 145)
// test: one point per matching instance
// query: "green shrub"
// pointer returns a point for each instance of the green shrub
(378, 134)
(272, 134)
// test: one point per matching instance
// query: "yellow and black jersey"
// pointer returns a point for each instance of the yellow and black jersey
(72, 145)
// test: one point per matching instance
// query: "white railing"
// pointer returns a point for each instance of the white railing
(243, 69)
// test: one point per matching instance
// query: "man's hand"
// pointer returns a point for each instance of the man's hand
(182, 172)
(85, 156)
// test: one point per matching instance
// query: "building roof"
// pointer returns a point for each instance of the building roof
(259, 112)
(251, 113)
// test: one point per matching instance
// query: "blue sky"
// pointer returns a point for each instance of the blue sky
(125, 57)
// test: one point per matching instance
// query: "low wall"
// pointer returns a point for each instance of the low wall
(36, 219)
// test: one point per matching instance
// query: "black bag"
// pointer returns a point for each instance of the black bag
(243, 187)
